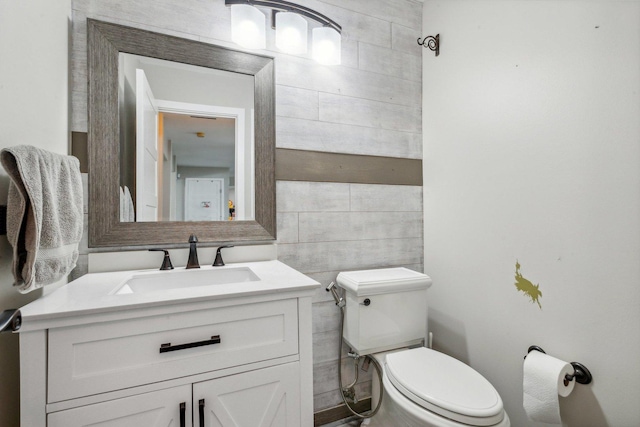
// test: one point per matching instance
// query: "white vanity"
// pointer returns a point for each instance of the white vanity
(223, 346)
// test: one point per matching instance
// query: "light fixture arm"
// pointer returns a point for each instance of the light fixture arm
(285, 6)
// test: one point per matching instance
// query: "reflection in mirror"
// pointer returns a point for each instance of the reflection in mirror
(186, 142)
(105, 42)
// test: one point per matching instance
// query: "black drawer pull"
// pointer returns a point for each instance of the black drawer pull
(201, 412)
(183, 410)
(164, 348)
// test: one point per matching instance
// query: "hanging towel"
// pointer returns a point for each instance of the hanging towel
(44, 214)
(122, 206)
(130, 214)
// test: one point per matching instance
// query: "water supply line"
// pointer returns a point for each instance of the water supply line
(340, 302)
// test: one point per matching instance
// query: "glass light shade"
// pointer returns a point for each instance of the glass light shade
(326, 46)
(248, 26)
(291, 33)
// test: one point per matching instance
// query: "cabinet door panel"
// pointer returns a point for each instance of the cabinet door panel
(267, 397)
(155, 409)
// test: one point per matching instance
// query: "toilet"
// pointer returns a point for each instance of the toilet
(386, 318)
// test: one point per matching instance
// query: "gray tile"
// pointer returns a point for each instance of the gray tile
(325, 346)
(326, 317)
(295, 102)
(403, 12)
(391, 198)
(349, 53)
(364, 112)
(302, 196)
(337, 226)
(306, 74)
(325, 380)
(406, 39)
(351, 255)
(390, 62)
(346, 138)
(326, 400)
(287, 226)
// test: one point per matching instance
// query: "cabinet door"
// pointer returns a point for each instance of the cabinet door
(267, 397)
(170, 407)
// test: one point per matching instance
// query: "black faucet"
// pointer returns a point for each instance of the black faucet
(166, 261)
(193, 253)
(218, 262)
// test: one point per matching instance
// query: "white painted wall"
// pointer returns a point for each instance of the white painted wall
(34, 110)
(532, 153)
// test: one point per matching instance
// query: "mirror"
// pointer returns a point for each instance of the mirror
(241, 168)
(186, 142)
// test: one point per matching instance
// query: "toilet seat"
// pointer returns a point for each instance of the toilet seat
(445, 386)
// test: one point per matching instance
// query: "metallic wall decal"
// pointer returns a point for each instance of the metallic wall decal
(529, 289)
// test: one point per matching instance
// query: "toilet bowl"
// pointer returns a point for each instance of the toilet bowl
(386, 318)
(425, 388)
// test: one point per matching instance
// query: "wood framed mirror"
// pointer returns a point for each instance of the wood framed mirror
(106, 41)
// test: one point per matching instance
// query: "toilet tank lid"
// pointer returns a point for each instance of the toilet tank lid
(382, 280)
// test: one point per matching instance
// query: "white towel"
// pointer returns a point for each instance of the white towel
(122, 205)
(130, 214)
(44, 214)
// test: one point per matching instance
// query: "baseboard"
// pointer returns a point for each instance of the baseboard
(339, 412)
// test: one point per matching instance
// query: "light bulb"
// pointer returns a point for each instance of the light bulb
(326, 46)
(248, 26)
(291, 33)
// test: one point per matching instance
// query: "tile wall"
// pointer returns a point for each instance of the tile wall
(370, 105)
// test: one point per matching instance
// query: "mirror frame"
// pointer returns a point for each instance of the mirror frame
(105, 42)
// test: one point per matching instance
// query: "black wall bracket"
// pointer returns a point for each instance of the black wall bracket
(431, 42)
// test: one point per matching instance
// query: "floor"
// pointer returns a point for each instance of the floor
(345, 423)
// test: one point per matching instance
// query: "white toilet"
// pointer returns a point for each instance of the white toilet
(386, 317)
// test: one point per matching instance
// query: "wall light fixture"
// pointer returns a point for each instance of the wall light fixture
(248, 28)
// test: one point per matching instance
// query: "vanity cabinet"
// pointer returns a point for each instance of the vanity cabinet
(242, 361)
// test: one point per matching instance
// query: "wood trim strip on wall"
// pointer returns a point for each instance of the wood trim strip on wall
(80, 149)
(316, 166)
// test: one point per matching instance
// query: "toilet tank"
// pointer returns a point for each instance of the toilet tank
(386, 308)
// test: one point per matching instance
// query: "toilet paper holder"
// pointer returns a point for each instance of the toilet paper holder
(580, 372)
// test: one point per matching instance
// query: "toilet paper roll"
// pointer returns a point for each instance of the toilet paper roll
(543, 383)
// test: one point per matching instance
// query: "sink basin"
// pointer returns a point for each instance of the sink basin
(162, 281)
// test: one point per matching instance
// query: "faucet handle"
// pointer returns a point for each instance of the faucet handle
(166, 261)
(218, 261)
(192, 262)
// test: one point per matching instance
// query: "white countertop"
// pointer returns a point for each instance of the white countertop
(93, 293)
